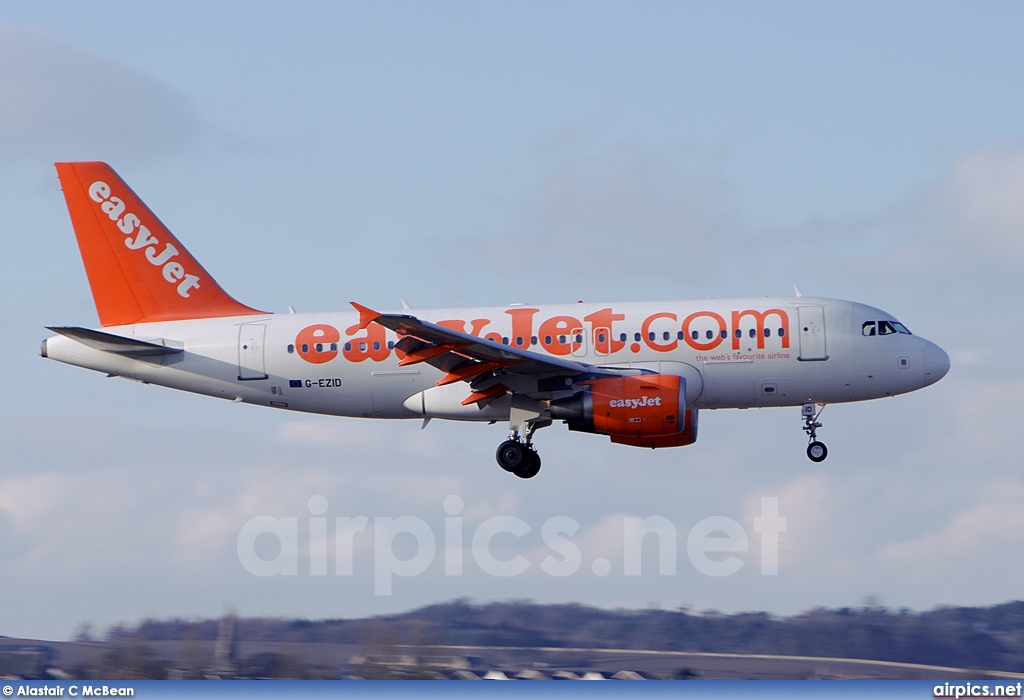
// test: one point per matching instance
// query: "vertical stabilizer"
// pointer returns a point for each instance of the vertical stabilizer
(138, 271)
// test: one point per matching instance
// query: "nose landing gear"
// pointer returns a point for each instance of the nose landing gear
(816, 451)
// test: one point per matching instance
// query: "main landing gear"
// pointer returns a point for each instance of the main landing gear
(517, 455)
(816, 451)
(519, 458)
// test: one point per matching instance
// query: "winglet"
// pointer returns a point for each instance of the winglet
(366, 314)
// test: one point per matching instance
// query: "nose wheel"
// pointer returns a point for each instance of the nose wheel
(816, 450)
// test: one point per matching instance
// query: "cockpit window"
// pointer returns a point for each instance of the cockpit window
(883, 328)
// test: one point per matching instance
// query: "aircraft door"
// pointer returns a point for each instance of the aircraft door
(250, 351)
(578, 340)
(729, 384)
(812, 333)
(602, 341)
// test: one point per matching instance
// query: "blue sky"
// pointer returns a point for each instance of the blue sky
(458, 154)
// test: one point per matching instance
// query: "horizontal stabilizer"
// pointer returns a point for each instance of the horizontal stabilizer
(119, 345)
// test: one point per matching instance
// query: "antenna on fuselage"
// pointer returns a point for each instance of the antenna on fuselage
(796, 291)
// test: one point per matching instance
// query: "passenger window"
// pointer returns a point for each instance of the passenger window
(504, 341)
(868, 328)
(561, 339)
(547, 340)
(533, 340)
(519, 340)
(376, 345)
(725, 334)
(666, 335)
(694, 334)
(650, 336)
(636, 337)
(391, 345)
(782, 332)
(753, 333)
(622, 337)
(739, 333)
(305, 348)
(319, 347)
(579, 339)
(767, 332)
(362, 347)
(680, 335)
(291, 348)
(348, 347)
(334, 347)
(710, 334)
(600, 337)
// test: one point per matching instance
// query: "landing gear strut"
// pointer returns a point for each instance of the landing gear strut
(816, 451)
(517, 455)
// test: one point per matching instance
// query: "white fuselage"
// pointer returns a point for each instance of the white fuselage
(734, 353)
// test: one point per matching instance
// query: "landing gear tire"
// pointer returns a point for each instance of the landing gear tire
(817, 452)
(530, 467)
(512, 456)
(518, 458)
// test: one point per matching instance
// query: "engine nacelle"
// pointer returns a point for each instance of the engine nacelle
(686, 436)
(645, 411)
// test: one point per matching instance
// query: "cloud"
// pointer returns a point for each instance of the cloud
(626, 213)
(359, 440)
(604, 539)
(809, 506)
(29, 500)
(993, 523)
(61, 102)
(967, 224)
(331, 432)
(977, 413)
(623, 212)
(203, 537)
(642, 224)
(984, 195)
(56, 526)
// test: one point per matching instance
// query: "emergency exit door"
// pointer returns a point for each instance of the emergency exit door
(250, 351)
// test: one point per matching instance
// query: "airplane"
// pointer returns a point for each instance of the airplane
(637, 372)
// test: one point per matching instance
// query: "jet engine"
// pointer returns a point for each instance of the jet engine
(644, 411)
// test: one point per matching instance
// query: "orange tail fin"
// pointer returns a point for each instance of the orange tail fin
(138, 271)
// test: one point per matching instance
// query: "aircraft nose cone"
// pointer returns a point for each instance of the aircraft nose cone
(936, 363)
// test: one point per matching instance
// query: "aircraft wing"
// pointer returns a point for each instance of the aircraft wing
(479, 361)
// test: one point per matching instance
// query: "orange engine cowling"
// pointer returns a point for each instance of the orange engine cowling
(644, 411)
